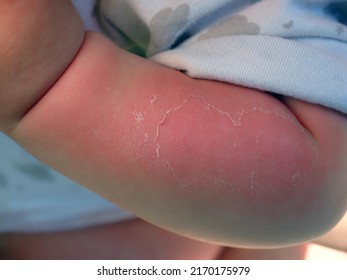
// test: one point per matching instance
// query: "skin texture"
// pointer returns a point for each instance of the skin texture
(210, 161)
(31, 57)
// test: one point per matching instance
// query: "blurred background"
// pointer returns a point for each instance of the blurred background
(331, 246)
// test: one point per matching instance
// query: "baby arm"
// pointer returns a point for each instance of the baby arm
(208, 160)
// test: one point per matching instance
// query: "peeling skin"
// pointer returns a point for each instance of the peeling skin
(174, 174)
(154, 99)
(138, 116)
(236, 121)
(168, 112)
(255, 160)
(146, 136)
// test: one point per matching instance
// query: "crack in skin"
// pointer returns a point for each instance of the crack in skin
(154, 99)
(236, 122)
(175, 175)
(168, 112)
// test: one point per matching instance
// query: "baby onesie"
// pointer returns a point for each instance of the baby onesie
(296, 48)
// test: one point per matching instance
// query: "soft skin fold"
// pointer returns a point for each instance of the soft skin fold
(208, 160)
(38, 41)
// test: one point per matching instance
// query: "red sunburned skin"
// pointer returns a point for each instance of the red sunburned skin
(242, 151)
(208, 160)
